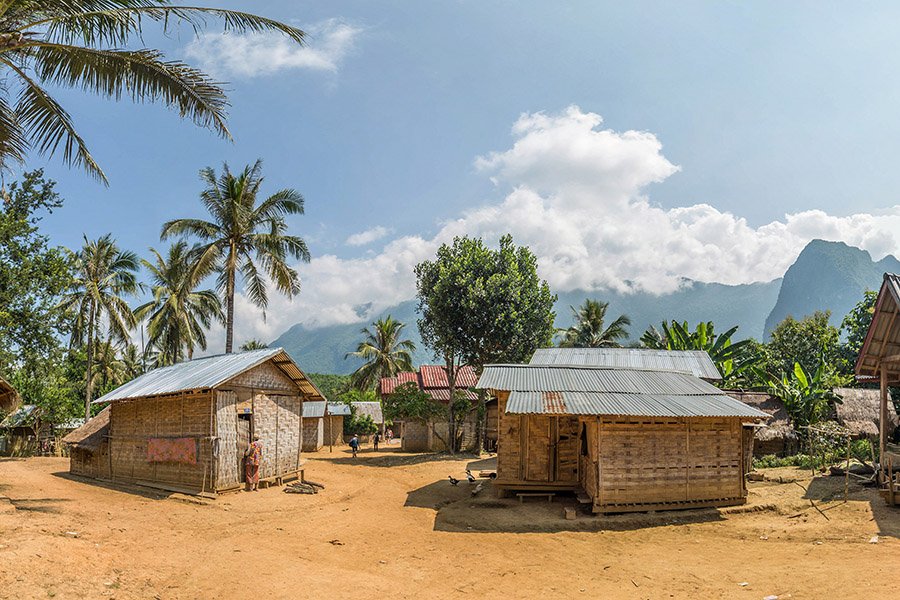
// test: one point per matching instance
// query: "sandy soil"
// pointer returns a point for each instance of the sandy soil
(390, 523)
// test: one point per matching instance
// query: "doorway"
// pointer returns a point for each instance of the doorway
(244, 431)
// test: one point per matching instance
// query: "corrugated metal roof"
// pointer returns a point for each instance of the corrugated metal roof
(312, 410)
(22, 417)
(695, 362)
(338, 409)
(629, 405)
(883, 337)
(208, 372)
(581, 390)
(577, 378)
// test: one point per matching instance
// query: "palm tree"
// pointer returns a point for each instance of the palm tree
(109, 368)
(132, 362)
(384, 353)
(178, 315)
(77, 45)
(242, 230)
(590, 330)
(253, 345)
(103, 274)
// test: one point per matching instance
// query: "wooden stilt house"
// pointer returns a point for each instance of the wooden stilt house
(879, 360)
(185, 427)
(630, 439)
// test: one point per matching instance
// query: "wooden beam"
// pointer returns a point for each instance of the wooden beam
(882, 419)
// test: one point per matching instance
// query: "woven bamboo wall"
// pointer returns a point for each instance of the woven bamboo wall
(276, 420)
(263, 377)
(313, 433)
(90, 464)
(490, 423)
(663, 461)
(333, 431)
(132, 423)
(415, 437)
(228, 461)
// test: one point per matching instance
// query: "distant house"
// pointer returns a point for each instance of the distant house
(432, 379)
(185, 427)
(22, 431)
(323, 424)
(631, 439)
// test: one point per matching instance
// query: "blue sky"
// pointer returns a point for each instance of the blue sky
(741, 113)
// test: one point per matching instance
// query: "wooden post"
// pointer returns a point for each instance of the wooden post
(882, 418)
(847, 471)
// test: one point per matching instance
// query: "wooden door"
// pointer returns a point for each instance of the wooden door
(538, 460)
(243, 440)
(567, 449)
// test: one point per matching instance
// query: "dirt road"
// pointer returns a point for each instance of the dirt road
(392, 524)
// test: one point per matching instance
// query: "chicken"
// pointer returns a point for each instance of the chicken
(453, 480)
(478, 488)
(470, 477)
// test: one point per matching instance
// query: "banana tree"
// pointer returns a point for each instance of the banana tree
(807, 397)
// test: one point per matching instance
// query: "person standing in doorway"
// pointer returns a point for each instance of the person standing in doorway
(252, 458)
(354, 444)
(375, 439)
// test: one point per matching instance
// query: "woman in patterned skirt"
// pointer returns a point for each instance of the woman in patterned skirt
(252, 458)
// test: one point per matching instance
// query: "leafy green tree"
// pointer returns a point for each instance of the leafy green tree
(480, 306)
(109, 371)
(103, 275)
(332, 386)
(253, 345)
(80, 45)
(243, 236)
(740, 363)
(179, 314)
(590, 329)
(33, 275)
(807, 397)
(383, 351)
(808, 341)
(854, 328)
(409, 403)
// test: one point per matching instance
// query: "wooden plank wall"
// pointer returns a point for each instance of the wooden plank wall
(659, 461)
(510, 446)
(590, 462)
(568, 448)
(133, 423)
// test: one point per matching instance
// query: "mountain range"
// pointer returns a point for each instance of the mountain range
(826, 276)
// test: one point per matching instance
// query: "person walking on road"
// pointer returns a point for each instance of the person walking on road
(375, 439)
(354, 444)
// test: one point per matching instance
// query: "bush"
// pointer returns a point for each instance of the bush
(360, 425)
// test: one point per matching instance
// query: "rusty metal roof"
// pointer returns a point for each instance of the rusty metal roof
(695, 362)
(581, 390)
(209, 372)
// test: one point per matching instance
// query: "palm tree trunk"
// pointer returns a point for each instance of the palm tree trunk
(90, 358)
(229, 302)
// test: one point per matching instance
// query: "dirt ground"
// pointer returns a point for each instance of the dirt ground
(391, 524)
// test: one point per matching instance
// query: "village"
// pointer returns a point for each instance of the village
(408, 317)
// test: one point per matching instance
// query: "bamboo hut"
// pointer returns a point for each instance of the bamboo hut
(323, 425)
(184, 428)
(630, 439)
(879, 360)
(9, 397)
(858, 412)
(433, 380)
(777, 436)
(22, 431)
(89, 447)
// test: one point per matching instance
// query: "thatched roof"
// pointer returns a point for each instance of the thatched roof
(90, 435)
(778, 426)
(858, 411)
(9, 397)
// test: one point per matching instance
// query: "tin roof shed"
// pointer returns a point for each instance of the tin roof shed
(696, 362)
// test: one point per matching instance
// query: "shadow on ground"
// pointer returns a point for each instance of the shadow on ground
(396, 458)
(40, 505)
(459, 511)
(135, 490)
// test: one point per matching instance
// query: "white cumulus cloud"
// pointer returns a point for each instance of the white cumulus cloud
(368, 236)
(575, 193)
(256, 54)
